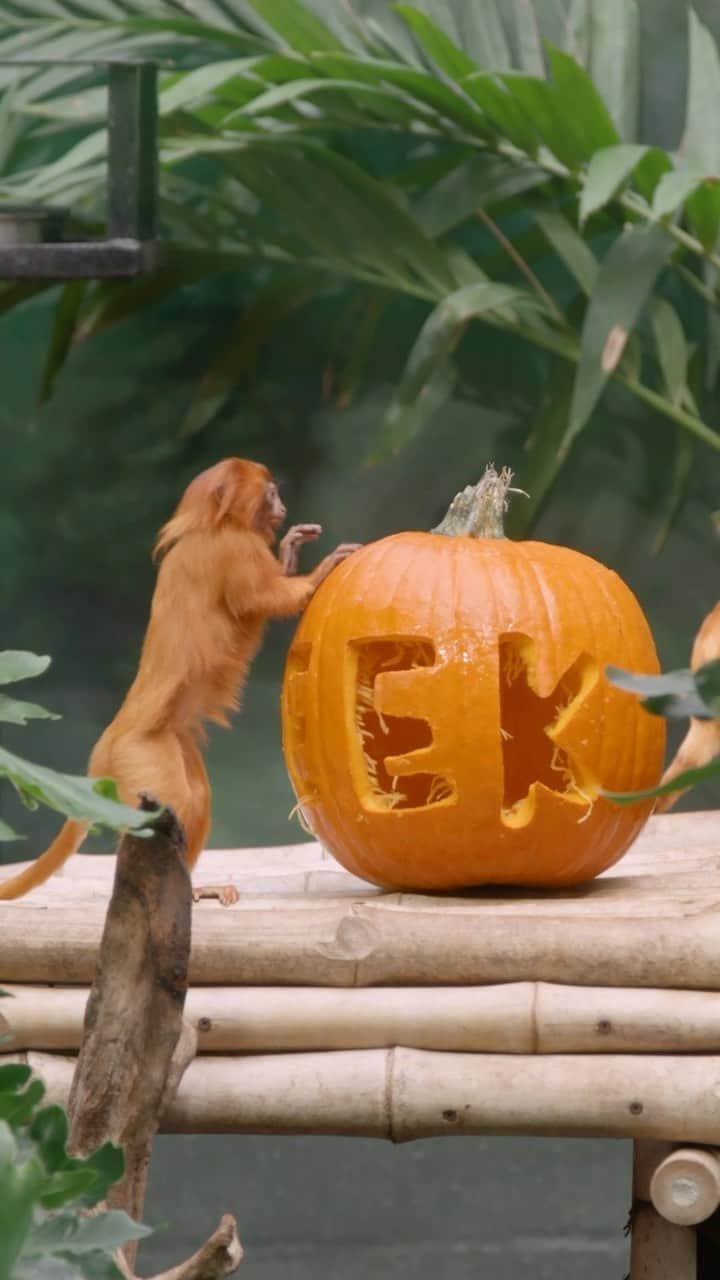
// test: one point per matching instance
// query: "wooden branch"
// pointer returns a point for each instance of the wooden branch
(219, 1256)
(134, 1013)
(135, 1047)
(523, 1017)
(403, 1094)
(387, 942)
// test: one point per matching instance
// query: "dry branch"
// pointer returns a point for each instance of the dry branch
(135, 1048)
(404, 1094)
(523, 1017)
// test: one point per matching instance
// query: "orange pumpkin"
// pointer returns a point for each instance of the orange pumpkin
(446, 717)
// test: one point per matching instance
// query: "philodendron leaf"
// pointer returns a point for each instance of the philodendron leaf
(68, 1232)
(16, 664)
(678, 693)
(92, 799)
(14, 712)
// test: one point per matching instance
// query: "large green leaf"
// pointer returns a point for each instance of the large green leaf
(673, 189)
(570, 247)
(436, 341)
(17, 664)
(552, 111)
(626, 279)
(701, 144)
(442, 50)
(14, 712)
(92, 799)
(298, 26)
(609, 169)
(543, 460)
(528, 38)
(578, 97)
(479, 182)
(615, 61)
(507, 112)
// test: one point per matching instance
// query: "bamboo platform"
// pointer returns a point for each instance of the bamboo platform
(326, 1006)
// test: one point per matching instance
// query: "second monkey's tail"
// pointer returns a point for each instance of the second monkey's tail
(66, 843)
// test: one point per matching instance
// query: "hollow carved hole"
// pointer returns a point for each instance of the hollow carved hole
(528, 724)
(383, 736)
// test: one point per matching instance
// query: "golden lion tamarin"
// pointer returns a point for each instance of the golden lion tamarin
(217, 584)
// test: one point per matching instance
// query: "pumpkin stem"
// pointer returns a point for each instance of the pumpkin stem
(478, 510)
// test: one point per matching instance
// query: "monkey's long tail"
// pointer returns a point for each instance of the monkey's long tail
(63, 846)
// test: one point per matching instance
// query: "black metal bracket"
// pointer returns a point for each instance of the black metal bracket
(130, 246)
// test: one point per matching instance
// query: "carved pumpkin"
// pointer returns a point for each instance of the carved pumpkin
(446, 717)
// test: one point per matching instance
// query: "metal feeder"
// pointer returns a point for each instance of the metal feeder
(27, 246)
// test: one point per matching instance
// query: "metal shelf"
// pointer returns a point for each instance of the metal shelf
(78, 259)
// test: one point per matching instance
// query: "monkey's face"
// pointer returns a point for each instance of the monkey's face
(273, 510)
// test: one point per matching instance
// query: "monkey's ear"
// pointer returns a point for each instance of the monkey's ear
(225, 494)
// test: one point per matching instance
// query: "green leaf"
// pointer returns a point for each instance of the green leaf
(707, 683)
(14, 712)
(608, 171)
(299, 28)
(16, 1109)
(480, 182)
(437, 338)
(543, 462)
(671, 346)
(626, 279)
(403, 422)
(703, 211)
(570, 247)
(65, 321)
(65, 1185)
(13, 1076)
(650, 170)
(7, 833)
(16, 664)
(701, 147)
(528, 38)
(443, 51)
(92, 799)
(679, 480)
(552, 115)
(67, 1231)
(678, 693)
(673, 189)
(615, 61)
(420, 85)
(679, 783)
(484, 35)
(578, 96)
(507, 112)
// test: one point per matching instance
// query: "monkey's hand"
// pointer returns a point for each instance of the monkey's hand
(339, 554)
(288, 551)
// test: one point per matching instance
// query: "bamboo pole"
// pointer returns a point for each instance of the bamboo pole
(659, 1250)
(685, 1187)
(403, 1094)
(523, 1018)
(383, 942)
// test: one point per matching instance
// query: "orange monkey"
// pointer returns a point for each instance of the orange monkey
(217, 585)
